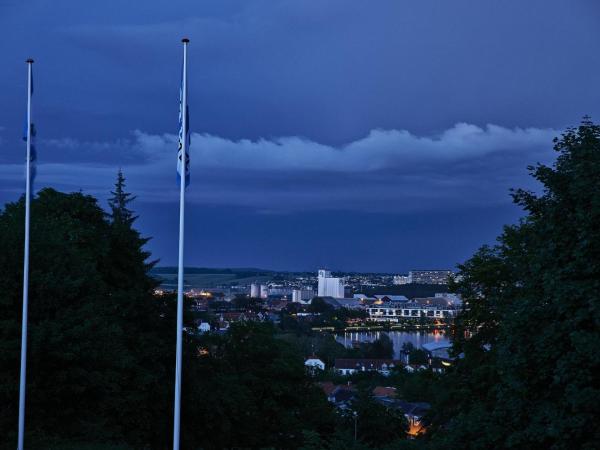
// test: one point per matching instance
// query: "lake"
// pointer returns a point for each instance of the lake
(417, 338)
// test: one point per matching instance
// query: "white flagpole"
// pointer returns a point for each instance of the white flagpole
(25, 266)
(178, 357)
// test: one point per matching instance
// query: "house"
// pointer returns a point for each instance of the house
(439, 365)
(414, 413)
(437, 352)
(314, 364)
(328, 387)
(348, 366)
(204, 327)
(411, 368)
(438, 349)
(384, 392)
(233, 316)
(340, 395)
(277, 304)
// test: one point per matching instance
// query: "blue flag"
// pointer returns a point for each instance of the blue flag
(32, 154)
(183, 134)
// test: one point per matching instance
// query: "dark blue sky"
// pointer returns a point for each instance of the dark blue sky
(355, 135)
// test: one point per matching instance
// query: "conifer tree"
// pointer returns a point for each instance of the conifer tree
(120, 213)
(128, 258)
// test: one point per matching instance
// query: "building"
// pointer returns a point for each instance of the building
(255, 290)
(264, 291)
(401, 279)
(303, 295)
(313, 365)
(204, 327)
(278, 290)
(391, 298)
(429, 276)
(329, 286)
(348, 303)
(348, 366)
(414, 413)
(384, 392)
(430, 307)
(454, 298)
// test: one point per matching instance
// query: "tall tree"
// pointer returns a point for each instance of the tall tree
(530, 333)
(120, 213)
(99, 352)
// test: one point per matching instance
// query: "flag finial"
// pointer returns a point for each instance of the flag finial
(29, 61)
(185, 40)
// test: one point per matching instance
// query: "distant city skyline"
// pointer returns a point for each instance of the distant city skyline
(353, 136)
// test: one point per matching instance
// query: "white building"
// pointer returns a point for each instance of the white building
(401, 279)
(303, 295)
(313, 364)
(330, 286)
(264, 291)
(277, 289)
(204, 327)
(432, 308)
(255, 290)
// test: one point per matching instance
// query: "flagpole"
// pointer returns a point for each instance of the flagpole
(178, 357)
(25, 266)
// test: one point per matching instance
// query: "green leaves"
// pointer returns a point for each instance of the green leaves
(531, 333)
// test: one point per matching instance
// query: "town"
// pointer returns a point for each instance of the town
(346, 322)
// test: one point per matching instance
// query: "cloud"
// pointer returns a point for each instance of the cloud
(379, 150)
(385, 170)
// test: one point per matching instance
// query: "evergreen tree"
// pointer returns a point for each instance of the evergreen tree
(120, 214)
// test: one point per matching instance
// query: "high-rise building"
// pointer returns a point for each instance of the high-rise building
(255, 290)
(429, 276)
(329, 286)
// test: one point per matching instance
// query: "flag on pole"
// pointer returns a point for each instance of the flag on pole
(29, 133)
(183, 134)
(183, 170)
(32, 151)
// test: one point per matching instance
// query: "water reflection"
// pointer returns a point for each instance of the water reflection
(417, 338)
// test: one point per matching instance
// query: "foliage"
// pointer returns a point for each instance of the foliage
(376, 424)
(251, 390)
(324, 346)
(415, 355)
(101, 346)
(531, 333)
(96, 358)
(380, 348)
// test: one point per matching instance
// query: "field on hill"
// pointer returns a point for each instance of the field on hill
(168, 278)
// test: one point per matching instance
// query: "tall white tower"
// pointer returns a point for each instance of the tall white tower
(264, 291)
(329, 286)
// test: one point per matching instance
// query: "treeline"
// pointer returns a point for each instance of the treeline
(239, 272)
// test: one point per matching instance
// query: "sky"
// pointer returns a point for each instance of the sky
(358, 136)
